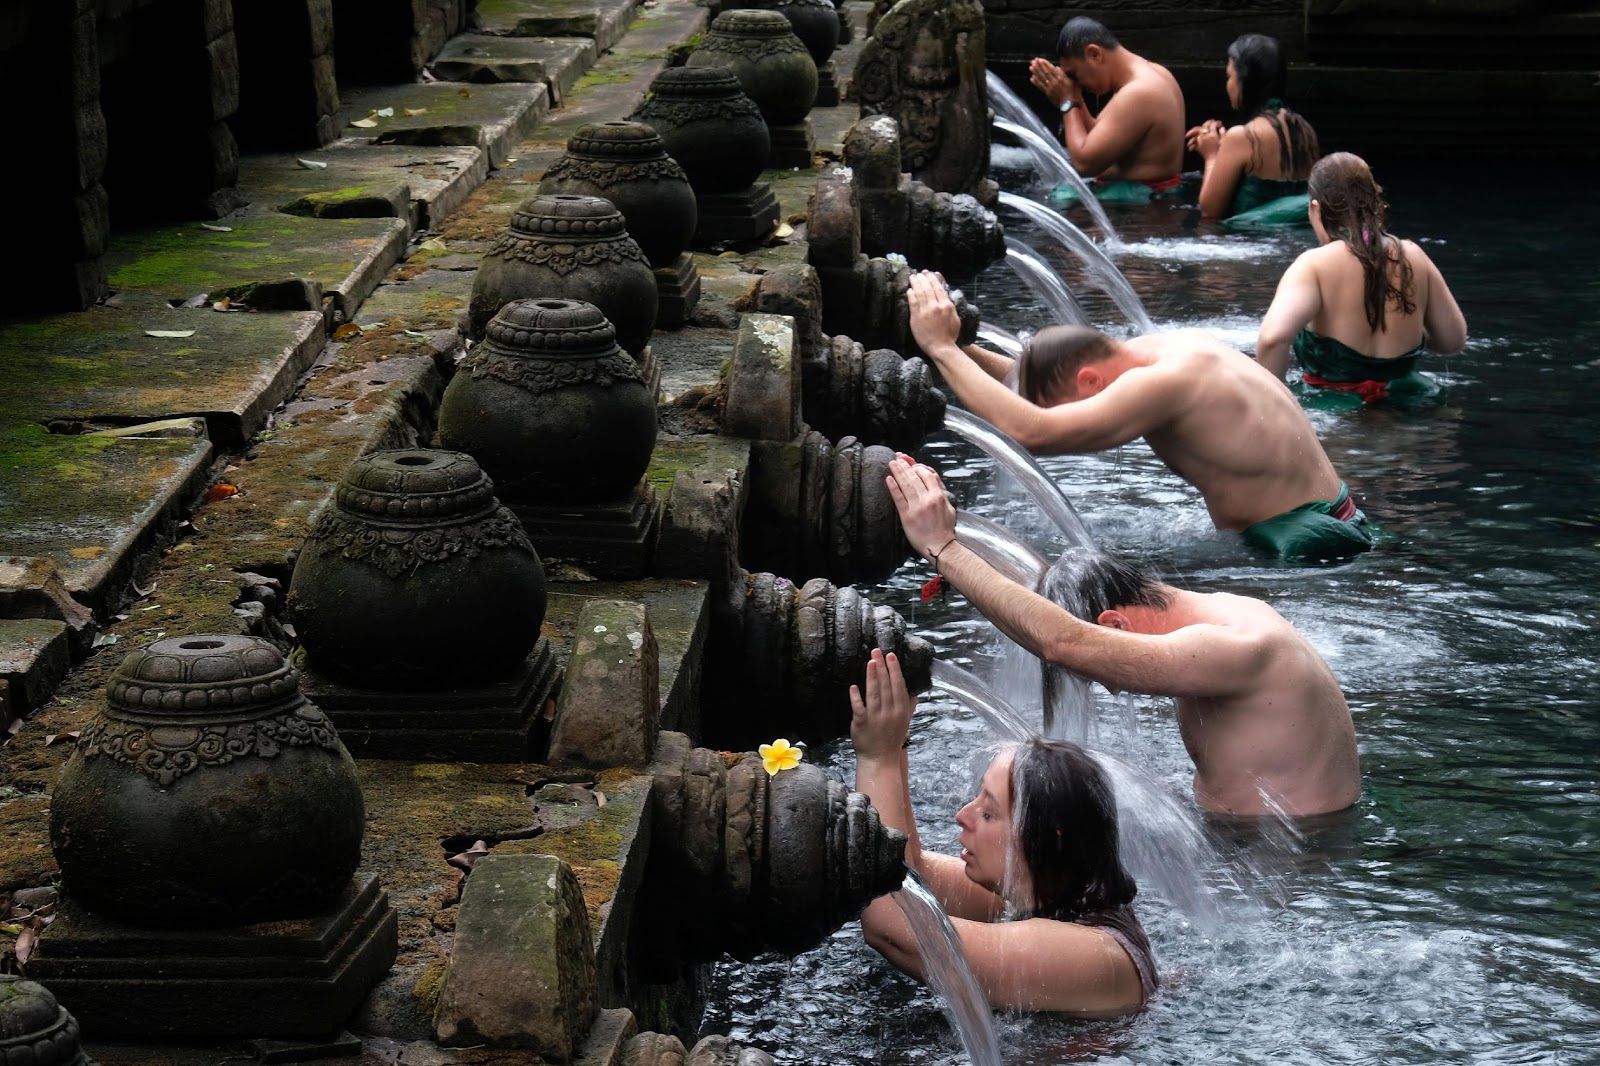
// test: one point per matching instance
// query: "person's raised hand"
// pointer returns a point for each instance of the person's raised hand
(1205, 139)
(880, 718)
(926, 514)
(934, 322)
(1051, 80)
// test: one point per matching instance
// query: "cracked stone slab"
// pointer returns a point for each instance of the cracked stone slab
(417, 183)
(491, 118)
(431, 299)
(34, 656)
(603, 20)
(269, 260)
(102, 366)
(96, 506)
(557, 62)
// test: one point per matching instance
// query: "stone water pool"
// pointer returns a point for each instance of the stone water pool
(1454, 916)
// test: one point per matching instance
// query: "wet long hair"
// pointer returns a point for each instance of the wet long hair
(1053, 355)
(1263, 80)
(1353, 211)
(1065, 820)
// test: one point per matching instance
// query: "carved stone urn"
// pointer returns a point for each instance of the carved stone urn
(709, 126)
(208, 791)
(34, 1028)
(417, 576)
(564, 246)
(815, 22)
(772, 65)
(627, 164)
(560, 417)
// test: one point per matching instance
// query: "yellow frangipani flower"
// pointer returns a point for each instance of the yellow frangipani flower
(780, 755)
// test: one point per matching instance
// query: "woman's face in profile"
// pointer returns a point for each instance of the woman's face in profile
(986, 831)
(1235, 92)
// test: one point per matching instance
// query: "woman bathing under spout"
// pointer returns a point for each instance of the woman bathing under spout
(1359, 311)
(1039, 839)
(1267, 158)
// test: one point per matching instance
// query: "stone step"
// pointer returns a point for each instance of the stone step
(556, 62)
(491, 118)
(102, 366)
(96, 506)
(419, 184)
(34, 656)
(603, 20)
(266, 259)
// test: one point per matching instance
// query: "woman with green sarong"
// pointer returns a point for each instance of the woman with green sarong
(1255, 172)
(1361, 309)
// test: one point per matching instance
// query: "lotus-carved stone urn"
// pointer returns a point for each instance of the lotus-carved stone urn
(34, 1028)
(208, 791)
(564, 246)
(417, 576)
(627, 163)
(815, 22)
(772, 65)
(709, 126)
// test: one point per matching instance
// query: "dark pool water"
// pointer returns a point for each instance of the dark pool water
(1455, 917)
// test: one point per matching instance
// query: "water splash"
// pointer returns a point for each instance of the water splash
(998, 715)
(945, 964)
(1107, 276)
(1049, 154)
(1002, 549)
(1046, 284)
(1010, 456)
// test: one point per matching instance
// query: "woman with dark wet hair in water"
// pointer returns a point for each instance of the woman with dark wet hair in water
(1267, 157)
(1360, 310)
(1038, 844)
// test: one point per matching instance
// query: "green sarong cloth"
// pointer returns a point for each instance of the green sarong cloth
(1311, 534)
(1257, 192)
(1339, 377)
(1115, 192)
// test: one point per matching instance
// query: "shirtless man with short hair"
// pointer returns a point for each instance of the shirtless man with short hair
(1261, 714)
(1137, 136)
(1220, 421)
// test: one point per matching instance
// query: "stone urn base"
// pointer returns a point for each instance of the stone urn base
(828, 80)
(736, 217)
(300, 977)
(677, 292)
(793, 146)
(497, 720)
(649, 369)
(611, 539)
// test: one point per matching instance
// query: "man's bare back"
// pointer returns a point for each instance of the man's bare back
(1235, 433)
(1286, 744)
(1155, 98)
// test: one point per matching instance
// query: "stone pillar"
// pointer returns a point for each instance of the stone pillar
(609, 710)
(763, 380)
(875, 396)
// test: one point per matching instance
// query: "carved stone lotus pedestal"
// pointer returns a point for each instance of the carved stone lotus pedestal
(820, 27)
(207, 826)
(419, 598)
(34, 1028)
(627, 164)
(775, 69)
(716, 133)
(560, 417)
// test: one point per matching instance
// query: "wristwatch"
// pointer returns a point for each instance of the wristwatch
(1068, 106)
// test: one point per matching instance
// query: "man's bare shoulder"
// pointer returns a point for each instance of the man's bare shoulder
(1187, 344)
(1248, 618)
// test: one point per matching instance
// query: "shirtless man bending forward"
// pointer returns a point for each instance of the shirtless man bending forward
(1219, 420)
(1263, 717)
(1138, 135)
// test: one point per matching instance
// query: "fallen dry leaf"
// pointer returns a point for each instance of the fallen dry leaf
(384, 112)
(175, 333)
(364, 123)
(434, 244)
(783, 230)
(198, 300)
(463, 860)
(221, 491)
(25, 942)
(464, 93)
(413, 112)
(51, 738)
(216, 229)
(346, 331)
(312, 164)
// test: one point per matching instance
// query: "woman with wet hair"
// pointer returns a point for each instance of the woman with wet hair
(1361, 309)
(1038, 895)
(1252, 169)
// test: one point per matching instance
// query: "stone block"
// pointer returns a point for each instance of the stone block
(794, 289)
(609, 710)
(833, 223)
(479, 57)
(793, 146)
(492, 118)
(700, 535)
(764, 380)
(522, 970)
(603, 20)
(222, 76)
(34, 656)
(418, 184)
(735, 217)
(30, 587)
(319, 26)
(609, 1038)
(616, 538)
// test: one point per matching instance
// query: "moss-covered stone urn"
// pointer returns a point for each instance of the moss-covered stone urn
(773, 67)
(815, 22)
(709, 126)
(565, 246)
(550, 406)
(417, 576)
(627, 163)
(207, 791)
(35, 1030)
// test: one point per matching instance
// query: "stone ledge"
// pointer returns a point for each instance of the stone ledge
(558, 63)
(419, 184)
(492, 118)
(603, 20)
(34, 656)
